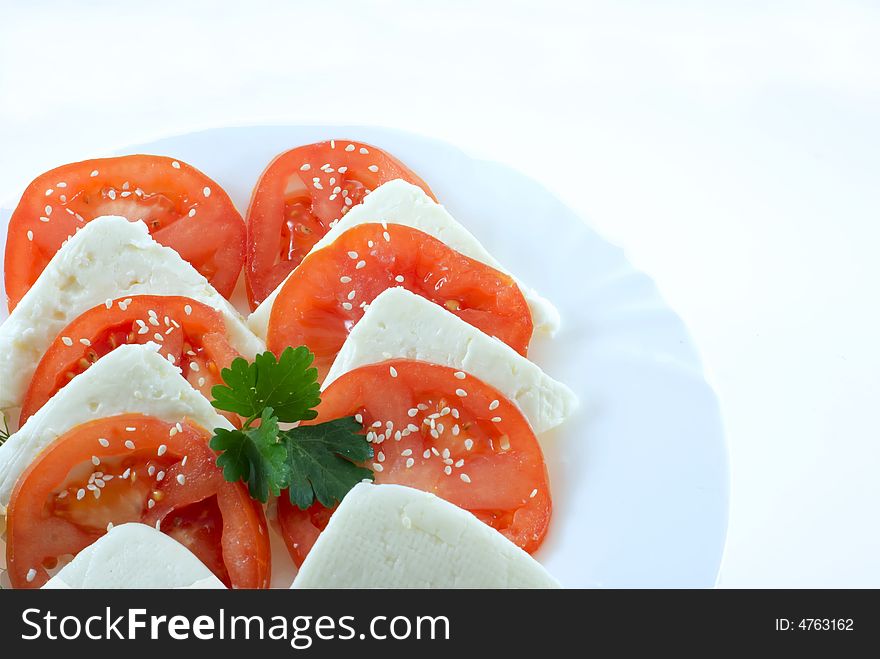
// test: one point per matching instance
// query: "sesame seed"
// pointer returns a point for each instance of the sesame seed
(108, 303)
(305, 167)
(30, 235)
(363, 151)
(468, 444)
(406, 452)
(359, 418)
(175, 164)
(377, 467)
(435, 451)
(158, 337)
(426, 454)
(160, 476)
(342, 170)
(460, 375)
(80, 493)
(459, 463)
(351, 295)
(112, 194)
(150, 503)
(192, 212)
(48, 210)
(31, 575)
(534, 492)
(201, 382)
(504, 442)
(373, 168)
(393, 371)
(94, 173)
(194, 367)
(412, 411)
(465, 478)
(380, 456)
(109, 526)
(151, 470)
(360, 264)
(126, 473)
(129, 445)
(158, 524)
(352, 255)
(455, 430)
(461, 393)
(410, 462)
(350, 147)
(348, 202)
(496, 419)
(494, 405)
(399, 279)
(49, 191)
(95, 460)
(187, 309)
(447, 470)
(206, 191)
(103, 441)
(181, 479)
(347, 306)
(345, 279)
(445, 453)
(161, 450)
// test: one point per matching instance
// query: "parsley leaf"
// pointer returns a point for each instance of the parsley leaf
(289, 386)
(315, 462)
(319, 459)
(253, 455)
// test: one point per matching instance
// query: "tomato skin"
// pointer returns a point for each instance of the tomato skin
(506, 486)
(161, 191)
(313, 307)
(288, 214)
(46, 518)
(194, 337)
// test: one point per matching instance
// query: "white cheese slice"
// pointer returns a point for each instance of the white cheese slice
(131, 379)
(399, 202)
(401, 324)
(108, 258)
(134, 556)
(391, 536)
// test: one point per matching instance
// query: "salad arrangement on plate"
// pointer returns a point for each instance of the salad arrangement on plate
(375, 405)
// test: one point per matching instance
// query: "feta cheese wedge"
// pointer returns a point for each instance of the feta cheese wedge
(401, 324)
(134, 556)
(108, 258)
(391, 536)
(131, 379)
(399, 202)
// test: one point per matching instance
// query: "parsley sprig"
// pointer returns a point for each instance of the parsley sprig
(313, 462)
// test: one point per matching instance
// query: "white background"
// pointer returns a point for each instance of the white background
(733, 149)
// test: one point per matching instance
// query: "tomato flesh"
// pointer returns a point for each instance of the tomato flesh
(300, 194)
(182, 208)
(324, 298)
(134, 468)
(191, 335)
(475, 450)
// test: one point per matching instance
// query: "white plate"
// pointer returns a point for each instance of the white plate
(639, 475)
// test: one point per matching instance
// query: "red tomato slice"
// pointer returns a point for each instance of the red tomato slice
(324, 298)
(91, 477)
(183, 209)
(191, 335)
(436, 431)
(301, 192)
